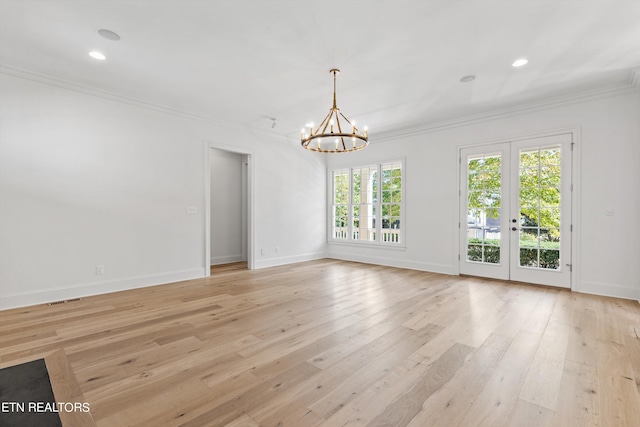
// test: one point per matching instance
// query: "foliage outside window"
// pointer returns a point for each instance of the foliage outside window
(367, 204)
(484, 208)
(539, 193)
(539, 201)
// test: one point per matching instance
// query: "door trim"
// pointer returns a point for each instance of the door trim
(575, 194)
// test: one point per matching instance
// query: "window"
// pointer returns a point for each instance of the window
(367, 204)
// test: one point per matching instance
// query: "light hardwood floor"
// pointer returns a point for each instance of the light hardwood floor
(335, 343)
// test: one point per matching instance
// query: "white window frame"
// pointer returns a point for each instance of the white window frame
(378, 242)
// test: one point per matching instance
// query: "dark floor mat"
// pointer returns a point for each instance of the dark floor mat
(26, 396)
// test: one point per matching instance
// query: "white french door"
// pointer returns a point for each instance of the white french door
(515, 210)
(484, 221)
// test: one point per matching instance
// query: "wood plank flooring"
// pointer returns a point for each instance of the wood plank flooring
(334, 343)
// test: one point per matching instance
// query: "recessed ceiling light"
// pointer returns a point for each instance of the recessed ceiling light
(519, 62)
(97, 55)
(108, 34)
(467, 79)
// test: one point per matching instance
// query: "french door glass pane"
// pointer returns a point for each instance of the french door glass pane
(484, 197)
(539, 201)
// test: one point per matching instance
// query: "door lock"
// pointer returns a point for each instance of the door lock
(514, 228)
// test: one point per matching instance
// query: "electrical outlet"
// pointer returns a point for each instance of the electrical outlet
(99, 269)
(262, 251)
(192, 210)
(277, 249)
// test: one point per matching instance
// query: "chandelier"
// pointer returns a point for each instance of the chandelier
(332, 136)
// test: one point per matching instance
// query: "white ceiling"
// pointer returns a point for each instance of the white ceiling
(241, 61)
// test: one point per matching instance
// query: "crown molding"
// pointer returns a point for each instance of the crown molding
(116, 97)
(632, 85)
(105, 94)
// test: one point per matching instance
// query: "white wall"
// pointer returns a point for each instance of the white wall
(290, 187)
(609, 162)
(86, 180)
(227, 218)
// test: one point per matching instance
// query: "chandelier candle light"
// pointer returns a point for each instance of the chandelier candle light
(329, 136)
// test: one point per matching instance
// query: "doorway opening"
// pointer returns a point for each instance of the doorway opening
(231, 267)
(229, 211)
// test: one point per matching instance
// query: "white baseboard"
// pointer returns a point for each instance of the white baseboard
(274, 262)
(226, 259)
(14, 300)
(609, 290)
(411, 265)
